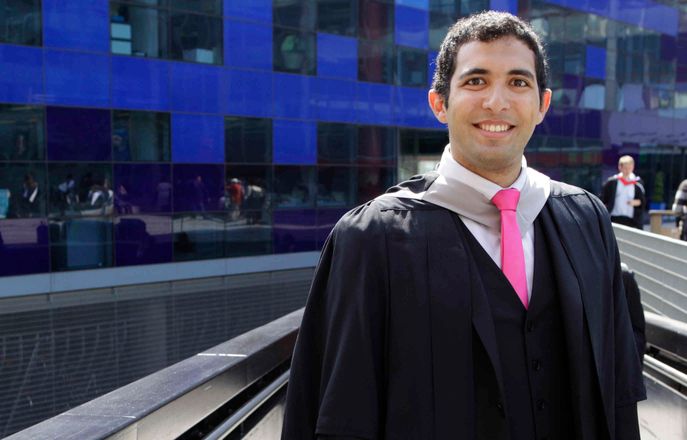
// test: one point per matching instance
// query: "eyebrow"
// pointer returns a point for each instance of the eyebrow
(480, 71)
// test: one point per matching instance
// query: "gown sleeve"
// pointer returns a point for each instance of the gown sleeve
(336, 382)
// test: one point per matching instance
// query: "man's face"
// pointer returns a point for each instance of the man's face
(626, 168)
(493, 107)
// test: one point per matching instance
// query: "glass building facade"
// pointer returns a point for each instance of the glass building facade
(157, 131)
(197, 135)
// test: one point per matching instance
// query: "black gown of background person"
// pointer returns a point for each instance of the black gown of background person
(396, 309)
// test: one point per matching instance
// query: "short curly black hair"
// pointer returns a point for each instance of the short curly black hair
(486, 26)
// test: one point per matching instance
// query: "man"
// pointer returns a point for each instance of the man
(624, 196)
(416, 329)
(680, 206)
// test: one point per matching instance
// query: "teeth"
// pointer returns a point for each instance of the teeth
(494, 128)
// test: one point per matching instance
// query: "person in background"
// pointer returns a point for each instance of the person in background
(680, 206)
(624, 195)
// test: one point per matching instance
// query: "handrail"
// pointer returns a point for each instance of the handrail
(166, 404)
(667, 335)
(666, 370)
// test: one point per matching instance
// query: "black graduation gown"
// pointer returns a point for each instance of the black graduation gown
(385, 349)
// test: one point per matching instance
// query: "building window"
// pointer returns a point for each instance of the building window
(411, 67)
(375, 61)
(20, 22)
(337, 16)
(248, 140)
(178, 30)
(140, 136)
(295, 51)
(336, 143)
(22, 190)
(21, 133)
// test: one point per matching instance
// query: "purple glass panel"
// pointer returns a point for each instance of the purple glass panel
(143, 240)
(326, 219)
(198, 188)
(78, 134)
(295, 231)
(23, 247)
(142, 188)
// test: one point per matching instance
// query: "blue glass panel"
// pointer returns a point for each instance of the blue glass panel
(197, 138)
(596, 62)
(295, 231)
(247, 45)
(292, 96)
(77, 78)
(295, 142)
(374, 103)
(23, 247)
(198, 188)
(142, 188)
(81, 243)
(504, 5)
(255, 100)
(22, 74)
(335, 99)
(419, 4)
(76, 24)
(260, 10)
(140, 83)
(196, 88)
(337, 56)
(78, 133)
(411, 27)
(411, 108)
(143, 240)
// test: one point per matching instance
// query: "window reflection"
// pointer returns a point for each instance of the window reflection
(411, 67)
(198, 237)
(78, 133)
(198, 188)
(297, 14)
(336, 143)
(337, 16)
(20, 22)
(374, 181)
(196, 38)
(23, 247)
(138, 31)
(247, 193)
(21, 132)
(294, 186)
(80, 189)
(377, 145)
(142, 188)
(143, 239)
(375, 61)
(140, 136)
(248, 140)
(294, 51)
(22, 191)
(376, 20)
(80, 243)
(204, 6)
(336, 187)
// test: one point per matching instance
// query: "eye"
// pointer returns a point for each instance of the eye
(475, 82)
(518, 82)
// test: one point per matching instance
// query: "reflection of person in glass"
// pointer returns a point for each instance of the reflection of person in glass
(68, 198)
(29, 205)
(100, 196)
(198, 194)
(120, 146)
(163, 196)
(21, 149)
(255, 202)
(234, 195)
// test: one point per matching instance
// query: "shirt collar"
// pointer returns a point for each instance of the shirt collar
(468, 194)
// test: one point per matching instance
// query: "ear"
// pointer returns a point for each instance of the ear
(436, 103)
(545, 104)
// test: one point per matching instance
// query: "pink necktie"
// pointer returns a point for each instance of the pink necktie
(512, 255)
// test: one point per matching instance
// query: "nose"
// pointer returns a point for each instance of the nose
(496, 99)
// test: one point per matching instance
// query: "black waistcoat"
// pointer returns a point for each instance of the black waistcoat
(531, 346)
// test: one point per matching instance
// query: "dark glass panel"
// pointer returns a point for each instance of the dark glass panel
(294, 186)
(375, 61)
(336, 187)
(439, 25)
(376, 21)
(143, 239)
(249, 234)
(213, 7)
(78, 133)
(198, 237)
(295, 231)
(336, 143)
(468, 7)
(196, 38)
(294, 13)
(374, 181)
(140, 136)
(21, 132)
(22, 190)
(80, 243)
(421, 150)
(337, 16)
(248, 140)
(139, 31)
(23, 247)
(411, 67)
(20, 22)
(574, 59)
(377, 145)
(247, 188)
(446, 7)
(80, 189)
(198, 188)
(142, 188)
(326, 219)
(295, 51)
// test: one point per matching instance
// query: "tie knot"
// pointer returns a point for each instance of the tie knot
(506, 199)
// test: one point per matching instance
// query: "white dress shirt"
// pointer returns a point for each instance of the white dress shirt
(624, 194)
(469, 195)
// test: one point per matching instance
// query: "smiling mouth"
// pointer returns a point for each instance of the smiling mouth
(494, 128)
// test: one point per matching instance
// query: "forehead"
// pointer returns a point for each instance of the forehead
(506, 53)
